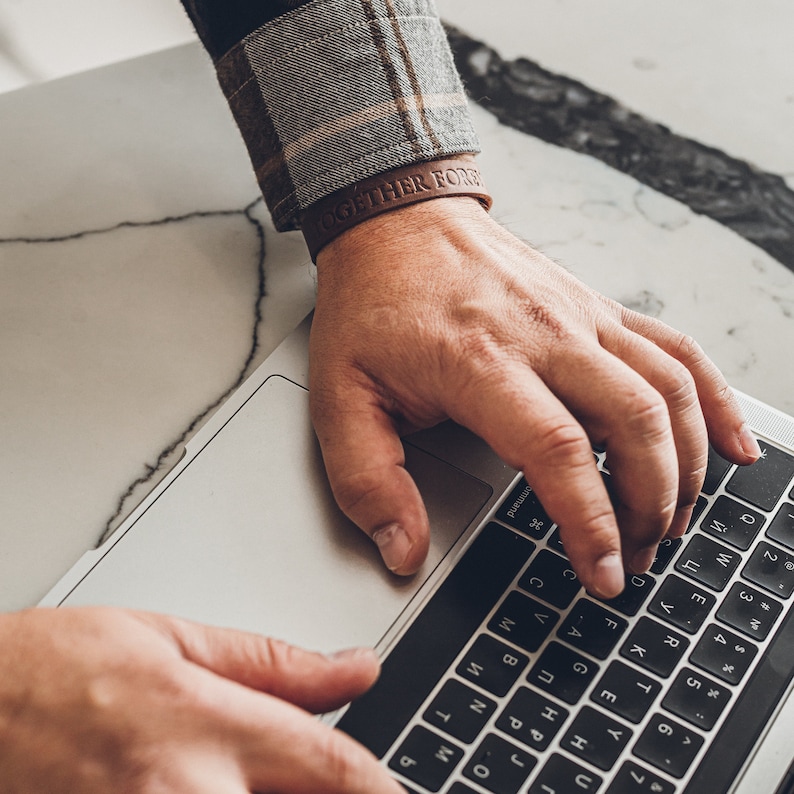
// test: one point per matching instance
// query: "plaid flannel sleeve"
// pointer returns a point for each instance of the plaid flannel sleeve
(334, 91)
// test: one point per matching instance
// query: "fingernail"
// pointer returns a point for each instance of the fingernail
(350, 654)
(749, 443)
(609, 576)
(394, 545)
(643, 559)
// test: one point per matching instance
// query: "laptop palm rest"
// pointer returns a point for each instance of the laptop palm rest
(246, 534)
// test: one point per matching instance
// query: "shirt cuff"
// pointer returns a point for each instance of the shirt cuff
(338, 91)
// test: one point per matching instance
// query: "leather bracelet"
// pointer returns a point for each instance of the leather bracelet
(336, 213)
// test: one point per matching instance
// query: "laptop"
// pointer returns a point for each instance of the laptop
(500, 674)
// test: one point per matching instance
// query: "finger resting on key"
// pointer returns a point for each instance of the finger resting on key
(628, 416)
(531, 430)
(676, 385)
(727, 429)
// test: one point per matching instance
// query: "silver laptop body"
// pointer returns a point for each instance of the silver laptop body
(243, 532)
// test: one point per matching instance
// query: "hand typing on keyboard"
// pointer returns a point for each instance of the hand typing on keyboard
(451, 316)
(100, 700)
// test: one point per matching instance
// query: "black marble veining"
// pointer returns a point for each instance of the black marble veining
(160, 466)
(166, 456)
(521, 94)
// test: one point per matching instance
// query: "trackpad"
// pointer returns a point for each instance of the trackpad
(248, 535)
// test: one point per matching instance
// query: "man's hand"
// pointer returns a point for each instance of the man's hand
(109, 700)
(434, 311)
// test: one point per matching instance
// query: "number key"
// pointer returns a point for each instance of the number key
(635, 779)
(723, 653)
(749, 611)
(771, 568)
(668, 745)
(696, 698)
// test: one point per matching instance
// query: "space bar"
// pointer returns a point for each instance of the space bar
(437, 635)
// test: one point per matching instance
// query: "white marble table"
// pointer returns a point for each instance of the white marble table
(140, 277)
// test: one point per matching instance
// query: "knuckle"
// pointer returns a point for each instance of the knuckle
(688, 351)
(650, 416)
(679, 386)
(563, 442)
(353, 488)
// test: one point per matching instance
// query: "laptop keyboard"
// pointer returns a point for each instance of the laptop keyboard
(512, 679)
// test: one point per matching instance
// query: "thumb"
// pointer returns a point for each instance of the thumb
(312, 681)
(365, 463)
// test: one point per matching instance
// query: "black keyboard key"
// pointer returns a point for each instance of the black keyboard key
(696, 699)
(732, 522)
(492, 665)
(625, 691)
(682, 604)
(459, 711)
(708, 562)
(499, 765)
(749, 611)
(781, 528)
(555, 542)
(715, 473)
(551, 578)
(560, 775)
(596, 738)
(664, 553)
(771, 568)
(461, 788)
(723, 653)
(654, 646)
(419, 660)
(635, 779)
(523, 511)
(562, 672)
(668, 745)
(592, 629)
(638, 587)
(532, 719)
(426, 758)
(523, 621)
(763, 691)
(765, 481)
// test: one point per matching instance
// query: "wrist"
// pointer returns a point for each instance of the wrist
(335, 214)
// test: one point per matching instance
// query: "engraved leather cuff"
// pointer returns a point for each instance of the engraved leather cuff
(336, 213)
